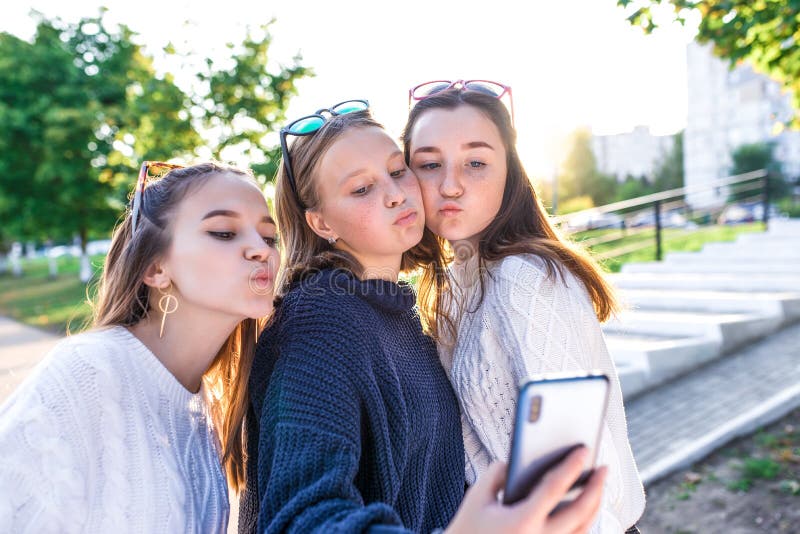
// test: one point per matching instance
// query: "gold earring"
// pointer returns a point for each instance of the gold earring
(168, 303)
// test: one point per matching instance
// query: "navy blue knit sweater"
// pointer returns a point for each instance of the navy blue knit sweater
(353, 424)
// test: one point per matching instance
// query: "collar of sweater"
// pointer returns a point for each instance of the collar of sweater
(393, 297)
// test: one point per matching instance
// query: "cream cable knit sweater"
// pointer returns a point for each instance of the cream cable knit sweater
(529, 323)
(101, 437)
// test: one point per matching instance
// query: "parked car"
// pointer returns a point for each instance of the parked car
(744, 212)
(670, 219)
(592, 220)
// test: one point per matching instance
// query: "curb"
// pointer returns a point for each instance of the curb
(760, 415)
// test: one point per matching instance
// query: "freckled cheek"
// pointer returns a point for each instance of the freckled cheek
(430, 197)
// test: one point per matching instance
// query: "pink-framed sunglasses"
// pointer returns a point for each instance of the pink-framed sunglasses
(495, 89)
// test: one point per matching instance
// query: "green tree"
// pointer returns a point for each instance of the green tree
(753, 157)
(247, 99)
(579, 175)
(634, 187)
(80, 105)
(762, 32)
(669, 171)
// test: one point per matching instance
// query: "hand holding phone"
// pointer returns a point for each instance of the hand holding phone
(555, 415)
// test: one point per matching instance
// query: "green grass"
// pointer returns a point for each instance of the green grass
(40, 301)
(672, 240)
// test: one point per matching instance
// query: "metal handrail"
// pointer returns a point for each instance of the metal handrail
(656, 201)
(663, 195)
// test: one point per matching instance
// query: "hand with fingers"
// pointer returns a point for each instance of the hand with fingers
(482, 512)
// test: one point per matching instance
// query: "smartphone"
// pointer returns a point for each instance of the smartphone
(555, 415)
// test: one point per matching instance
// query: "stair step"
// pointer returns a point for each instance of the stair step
(721, 282)
(732, 330)
(784, 227)
(644, 362)
(770, 249)
(782, 304)
(695, 265)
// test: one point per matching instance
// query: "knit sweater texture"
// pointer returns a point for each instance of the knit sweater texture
(101, 437)
(521, 321)
(354, 425)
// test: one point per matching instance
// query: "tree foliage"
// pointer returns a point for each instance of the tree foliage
(245, 100)
(579, 174)
(762, 32)
(669, 171)
(81, 106)
(756, 156)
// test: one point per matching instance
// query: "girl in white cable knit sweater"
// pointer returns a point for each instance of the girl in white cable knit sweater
(116, 430)
(517, 300)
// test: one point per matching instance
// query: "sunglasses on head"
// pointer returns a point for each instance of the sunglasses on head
(309, 125)
(149, 169)
(488, 87)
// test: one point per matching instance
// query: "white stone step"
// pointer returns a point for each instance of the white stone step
(644, 362)
(785, 227)
(780, 304)
(767, 237)
(713, 259)
(720, 282)
(732, 330)
(732, 249)
(717, 266)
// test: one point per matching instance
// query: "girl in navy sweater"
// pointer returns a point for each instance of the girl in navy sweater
(353, 424)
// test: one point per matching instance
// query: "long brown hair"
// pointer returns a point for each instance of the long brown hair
(305, 251)
(522, 226)
(123, 299)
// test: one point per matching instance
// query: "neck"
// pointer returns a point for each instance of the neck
(190, 342)
(464, 249)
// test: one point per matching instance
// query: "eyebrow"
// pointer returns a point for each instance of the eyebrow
(471, 144)
(229, 213)
(363, 170)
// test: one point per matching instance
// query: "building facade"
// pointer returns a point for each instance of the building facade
(729, 108)
(635, 153)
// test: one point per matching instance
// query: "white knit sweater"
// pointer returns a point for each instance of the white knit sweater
(101, 437)
(526, 324)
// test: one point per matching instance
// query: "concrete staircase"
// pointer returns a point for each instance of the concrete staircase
(695, 307)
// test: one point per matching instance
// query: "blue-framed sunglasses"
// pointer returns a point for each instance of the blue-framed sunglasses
(309, 125)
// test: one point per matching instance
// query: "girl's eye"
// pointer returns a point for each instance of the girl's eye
(429, 166)
(361, 190)
(398, 173)
(225, 236)
(476, 164)
(271, 241)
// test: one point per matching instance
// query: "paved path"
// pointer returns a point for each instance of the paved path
(685, 420)
(21, 348)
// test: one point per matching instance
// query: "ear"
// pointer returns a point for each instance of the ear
(156, 276)
(317, 223)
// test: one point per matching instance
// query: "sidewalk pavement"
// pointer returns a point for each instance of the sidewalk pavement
(683, 421)
(21, 348)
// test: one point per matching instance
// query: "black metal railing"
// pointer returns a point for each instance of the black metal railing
(621, 221)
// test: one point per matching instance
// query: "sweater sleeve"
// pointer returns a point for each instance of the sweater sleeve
(535, 323)
(310, 430)
(43, 456)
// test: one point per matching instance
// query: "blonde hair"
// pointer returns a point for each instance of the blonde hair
(123, 299)
(305, 251)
